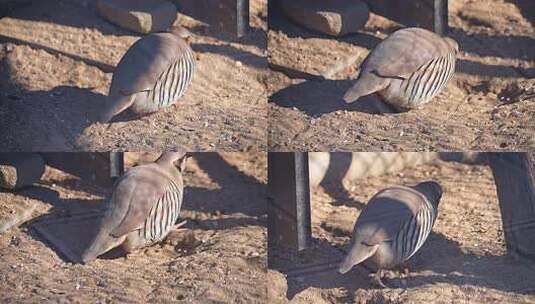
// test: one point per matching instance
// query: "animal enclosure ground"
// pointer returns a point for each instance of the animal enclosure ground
(56, 63)
(496, 39)
(221, 257)
(463, 261)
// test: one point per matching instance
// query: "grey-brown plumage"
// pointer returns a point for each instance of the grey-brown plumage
(154, 73)
(393, 226)
(144, 206)
(407, 69)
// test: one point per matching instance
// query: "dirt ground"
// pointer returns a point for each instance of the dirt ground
(220, 258)
(463, 260)
(56, 64)
(496, 39)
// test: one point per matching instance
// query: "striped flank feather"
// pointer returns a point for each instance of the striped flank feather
(173, 82)
(428, 80)
(163, 215)
(414, 232)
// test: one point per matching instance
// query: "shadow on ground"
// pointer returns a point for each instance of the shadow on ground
(316, 98)
(232, 53)
(237, 191)
(440, 260)
(47, 120)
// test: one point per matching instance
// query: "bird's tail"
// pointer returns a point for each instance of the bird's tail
(115, 105)
(102, 242)
(366, 84)
(358, 254)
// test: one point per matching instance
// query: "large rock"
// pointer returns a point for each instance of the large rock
(18, 170)
(333, 17)
(142, 16)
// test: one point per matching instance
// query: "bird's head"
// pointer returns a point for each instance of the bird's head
(181, 32)
(453, 44)
(174, 158)
(431, 190)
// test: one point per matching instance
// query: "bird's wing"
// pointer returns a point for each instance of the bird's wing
(145, 61)
(404, 52)
(386, 213)
(135, 195)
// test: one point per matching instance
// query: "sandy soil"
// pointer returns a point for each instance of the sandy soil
(463, 261)
(221, 257)
(56, 64)
(495, 38)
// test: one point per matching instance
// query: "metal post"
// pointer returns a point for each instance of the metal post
(230, 16)
(91, 166)
(242, 13)
(289, 200)
(116, 164)
(440, 17)
(514, 175)
(429, 14)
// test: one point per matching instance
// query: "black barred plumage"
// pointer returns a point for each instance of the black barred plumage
(407, 69)
(393, 226)
(173, 82)
(144, 206)
(163, 215)
(424, 84)
(153, 74)
(414, 232)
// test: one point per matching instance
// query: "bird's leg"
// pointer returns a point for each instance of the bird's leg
(177, 226)
(404, 273)
(376, 278)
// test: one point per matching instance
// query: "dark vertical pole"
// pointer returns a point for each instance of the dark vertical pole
(429, 14)
(228, 16)
(116, 165)
(242, 22)
(515, 182)
(289, 200)
(90, 166)
(440, 17)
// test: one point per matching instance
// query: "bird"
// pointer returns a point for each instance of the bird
(143, 207)
(407, 69)
(154, 73)
(393, 226)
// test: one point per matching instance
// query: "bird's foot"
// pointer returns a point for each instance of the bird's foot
(376, 278)
(177, 226)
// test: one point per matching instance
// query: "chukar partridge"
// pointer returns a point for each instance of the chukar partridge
(154, 73)
(144, 206)
(407, 69)
(393, 226)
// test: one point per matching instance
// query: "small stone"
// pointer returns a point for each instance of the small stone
(335, 17)
(15, 241)
(142, 16)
